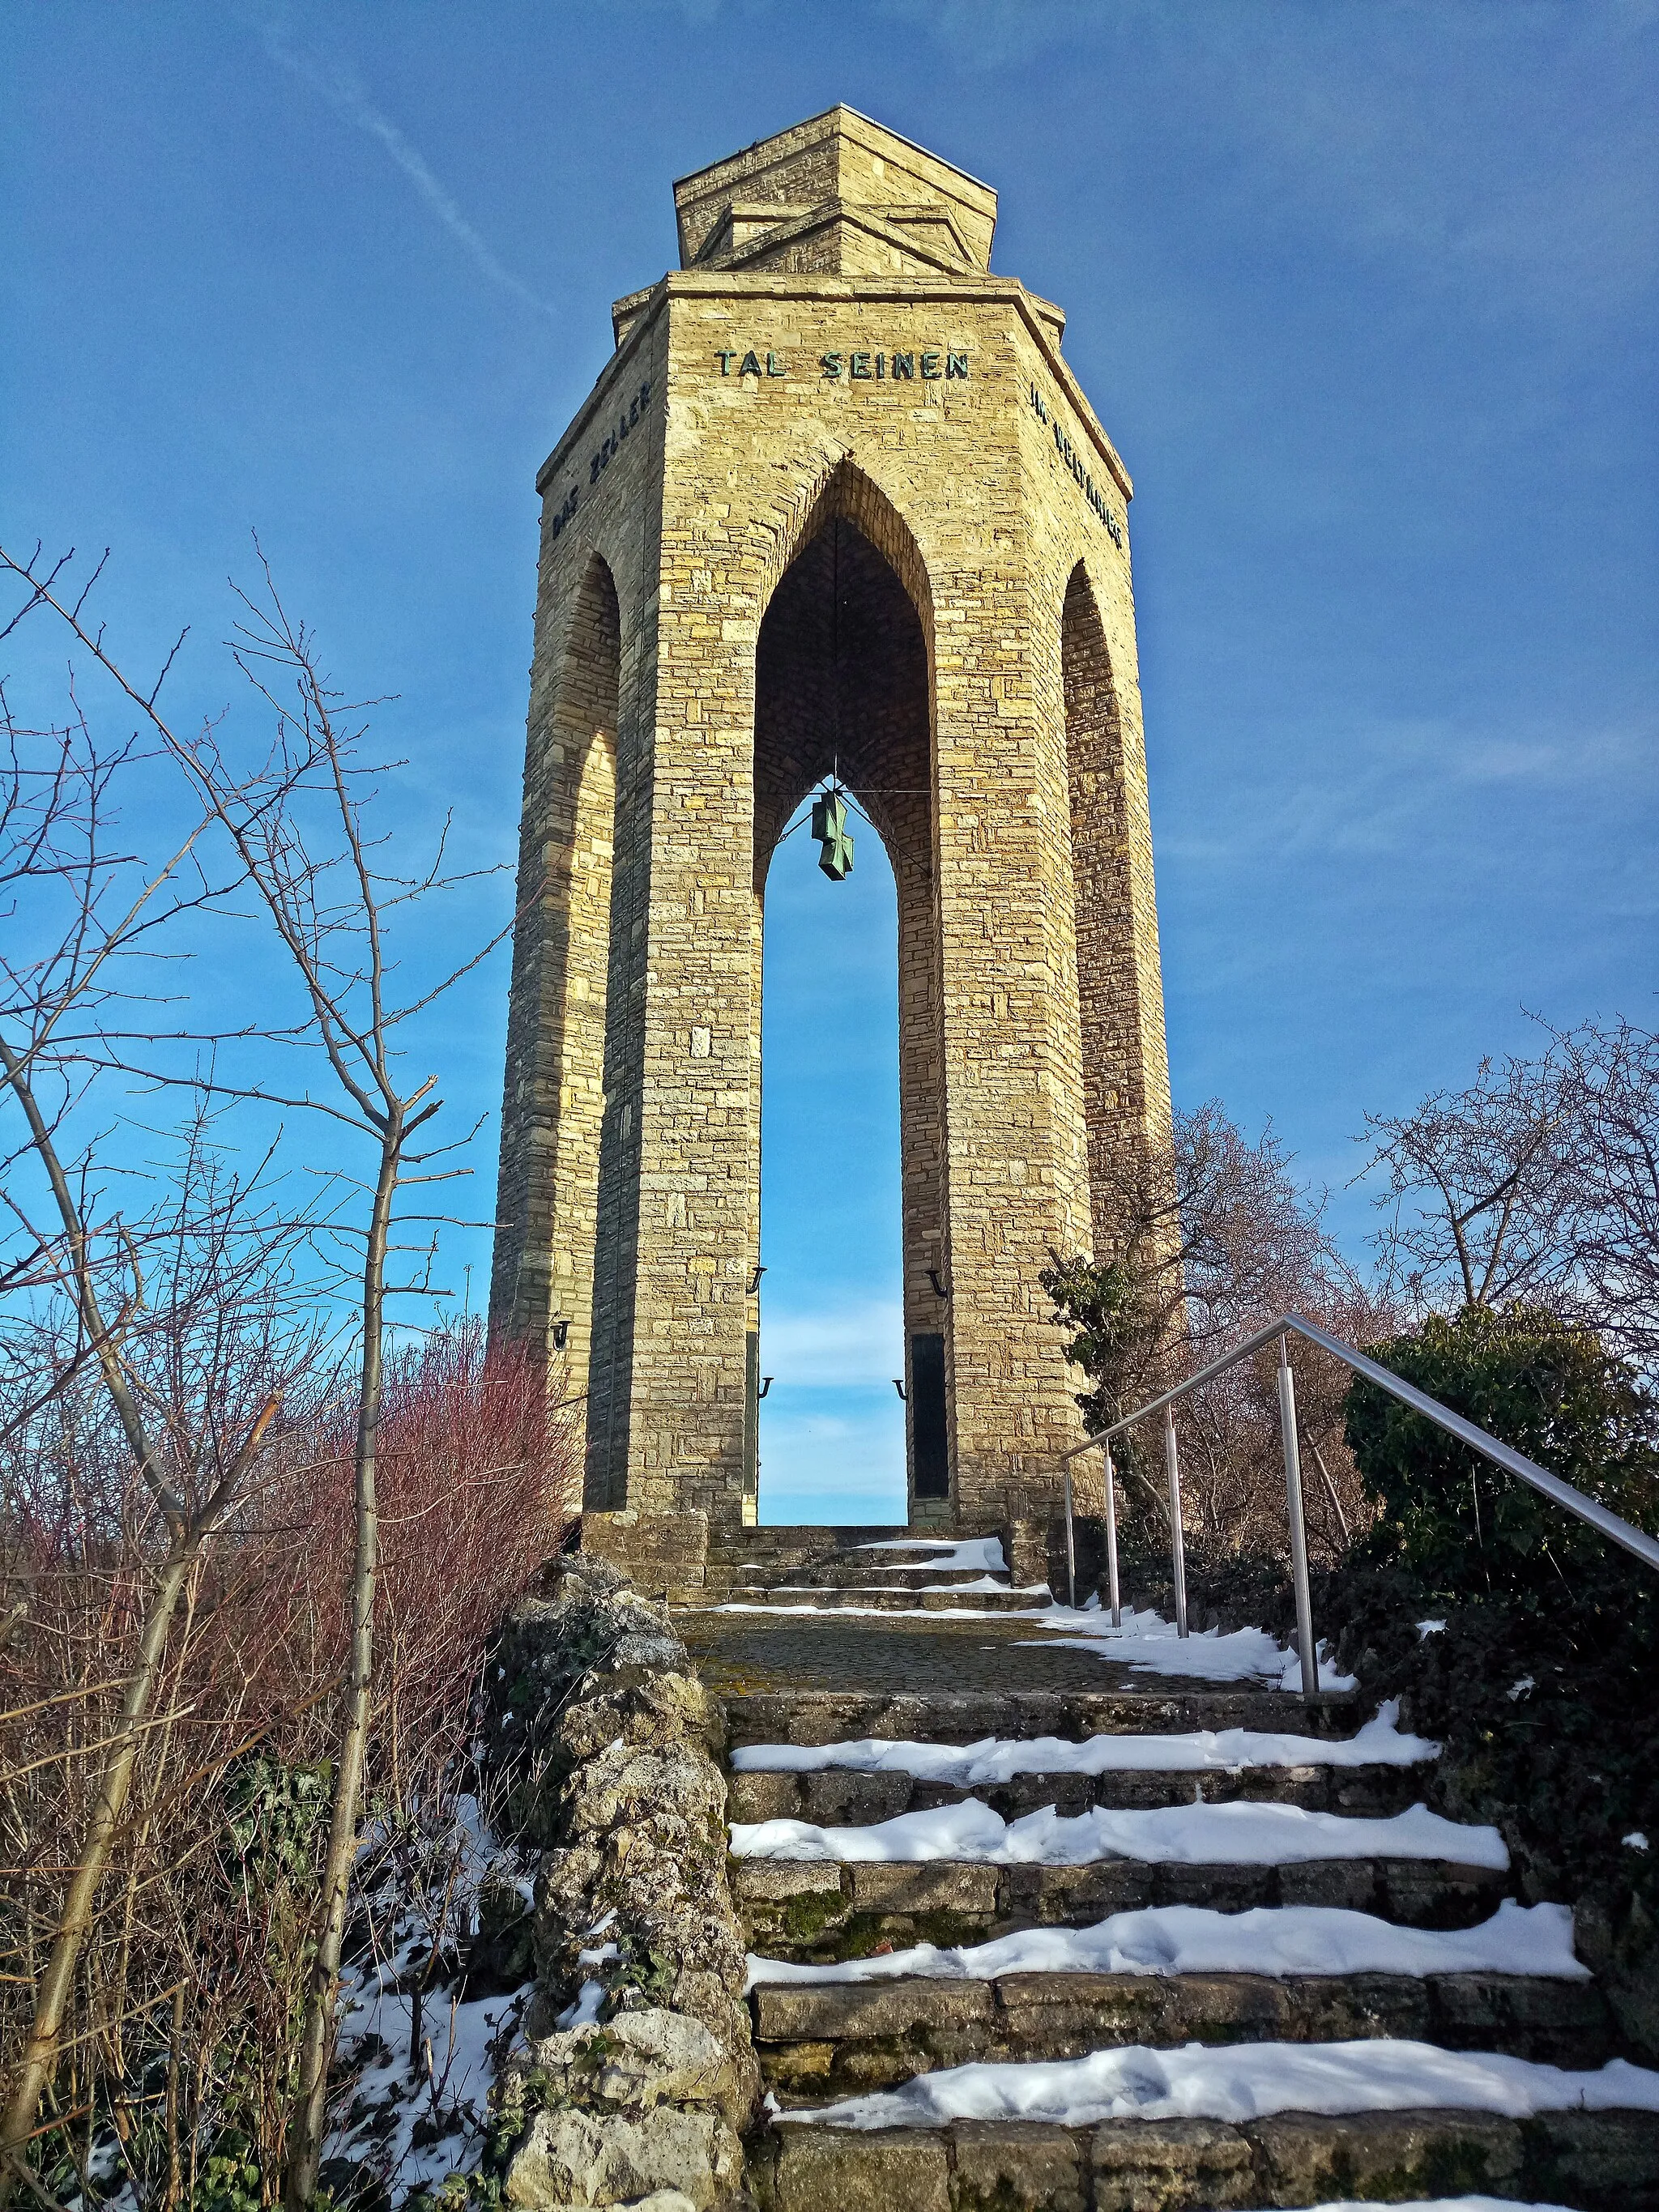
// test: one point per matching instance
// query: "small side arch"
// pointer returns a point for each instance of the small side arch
(549, 1200)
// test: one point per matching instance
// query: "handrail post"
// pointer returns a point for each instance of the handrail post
(1304, 1636)
(1071, 1548)
(1178, 1541)
(1111, 1543)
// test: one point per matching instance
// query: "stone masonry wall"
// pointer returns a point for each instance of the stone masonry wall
(638, 2074)
(989, 501)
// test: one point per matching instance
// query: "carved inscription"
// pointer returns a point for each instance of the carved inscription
(857, 367)
(1073, 460)
(933, 365)
(628, 419)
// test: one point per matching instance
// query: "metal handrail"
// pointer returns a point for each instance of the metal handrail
(1588, 1509)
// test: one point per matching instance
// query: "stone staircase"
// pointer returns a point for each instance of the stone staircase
(866, 1570)
(913, 2133)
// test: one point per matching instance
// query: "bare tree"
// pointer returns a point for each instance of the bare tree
(1203, 1244)
(1479, 1185)
(296, 826)
(1538, 1184)
(1613, 1068)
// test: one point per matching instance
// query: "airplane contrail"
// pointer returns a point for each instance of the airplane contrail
(340, 88)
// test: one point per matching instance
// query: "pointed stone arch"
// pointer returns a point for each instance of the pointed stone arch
(843, 680)
(557, 1018)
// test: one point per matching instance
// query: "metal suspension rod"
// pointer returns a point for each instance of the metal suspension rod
(1111, 1543)
(1304, 1636)
(1177, 1542)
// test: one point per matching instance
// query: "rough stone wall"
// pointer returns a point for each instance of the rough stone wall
(840, 154)
(638, 2074)
(556, 1053)
(1125, 1101)
(970, 490)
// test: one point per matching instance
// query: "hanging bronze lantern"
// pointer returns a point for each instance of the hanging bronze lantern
(830, 828)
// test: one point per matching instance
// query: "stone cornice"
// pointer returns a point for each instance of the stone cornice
(898, 290)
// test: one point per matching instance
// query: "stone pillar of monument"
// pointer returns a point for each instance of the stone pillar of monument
(836, 503)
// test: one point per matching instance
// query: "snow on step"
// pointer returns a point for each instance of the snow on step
(1247, 1833)
(1243, 2081)
(984, 1553)
(1151, 1644)
(994, 1759)
(1276, 1940)
(1440, 2204)
(980, 1586)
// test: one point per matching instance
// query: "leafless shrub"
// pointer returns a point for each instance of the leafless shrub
(183, 2030)
(1204, 1245)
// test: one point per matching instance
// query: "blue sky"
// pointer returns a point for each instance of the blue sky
(1364, 292)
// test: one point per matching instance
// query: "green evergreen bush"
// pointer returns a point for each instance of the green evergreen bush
(1463, 1526)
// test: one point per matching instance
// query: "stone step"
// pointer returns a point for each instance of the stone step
(856, 1599)
(1599, 2161)
(826, 2040)
(838, 1797)
(814, 1910)
(822, 1717)
(865, 1571)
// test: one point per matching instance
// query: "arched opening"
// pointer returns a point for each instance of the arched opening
(556, 1026)
(842, 689)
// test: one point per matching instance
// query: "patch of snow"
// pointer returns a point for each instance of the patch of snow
(585, 2012)
(994, 1758)
(1430, 1628)
(882, 1612)
(1194, 1939)
(983, 1585)
(462, 2041)
(1636, 1841)
(984, 1553)
(1441, 2204)
(1239, 1834)
(1150, 1644)
(1245, 2081)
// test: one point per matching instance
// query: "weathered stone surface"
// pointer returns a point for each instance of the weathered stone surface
(648, 2057)
(611, 1753)
(1306, 2160)
(1169, 2165)
(588, 2159)
(835, 2038)
(1604, 2159)
(840, 2170)
(766, 1880)
(1028, 2169)
(939, 1885)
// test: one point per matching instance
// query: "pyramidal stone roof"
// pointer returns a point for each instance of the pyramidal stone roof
(838, 196)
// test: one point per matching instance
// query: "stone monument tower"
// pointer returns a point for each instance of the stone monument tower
(837, 505)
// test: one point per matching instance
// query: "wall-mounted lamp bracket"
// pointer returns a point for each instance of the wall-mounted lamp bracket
(766, 1383)
(899, 1387)
(754, 1281)
(940, 1290)
(561, 1334)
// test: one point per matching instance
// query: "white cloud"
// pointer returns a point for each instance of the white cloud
(828, 1455)
(846, 1345)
